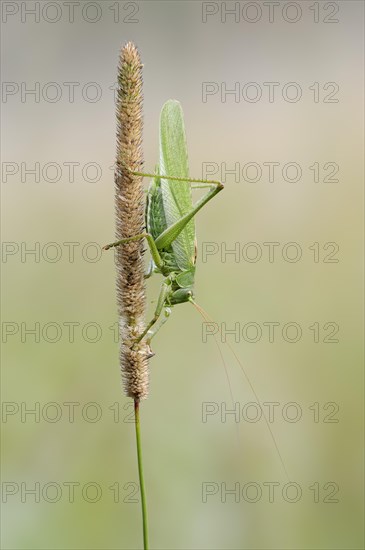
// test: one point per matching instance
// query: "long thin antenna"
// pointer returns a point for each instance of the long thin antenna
(207, 318)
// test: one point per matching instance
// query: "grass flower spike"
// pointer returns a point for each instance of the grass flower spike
(129, 204)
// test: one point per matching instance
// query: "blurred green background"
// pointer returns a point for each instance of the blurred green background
(323, 449)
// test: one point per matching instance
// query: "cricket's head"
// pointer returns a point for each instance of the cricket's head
(182, 295)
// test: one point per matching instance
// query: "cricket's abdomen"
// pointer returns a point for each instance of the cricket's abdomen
(155, 214)
(156, 224)
(169, 261)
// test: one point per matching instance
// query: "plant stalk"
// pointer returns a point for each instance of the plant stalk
(140, 473)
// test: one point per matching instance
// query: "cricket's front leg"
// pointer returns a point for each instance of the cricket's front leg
(151, 243)
(149, 271)
(152, 333)
(165, 292)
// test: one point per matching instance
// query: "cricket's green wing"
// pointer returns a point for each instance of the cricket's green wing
(177, 197)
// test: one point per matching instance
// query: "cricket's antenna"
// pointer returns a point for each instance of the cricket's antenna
(207, 318)
(202, 313)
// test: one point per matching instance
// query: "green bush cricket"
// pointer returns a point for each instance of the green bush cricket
(171, 237)
(170, 228)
